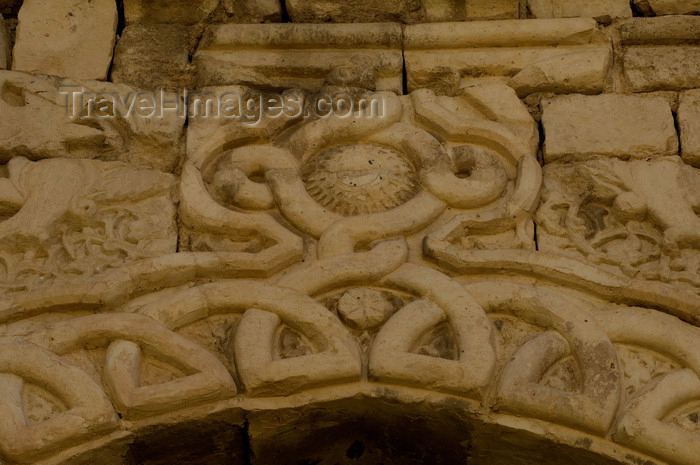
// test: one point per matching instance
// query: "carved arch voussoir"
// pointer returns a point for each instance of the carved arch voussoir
(336, 357)
(446, 300)
(88, 410)
(126, 336)
(572, 330)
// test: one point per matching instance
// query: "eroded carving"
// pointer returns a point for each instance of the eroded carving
(71, 219)
(634, 217)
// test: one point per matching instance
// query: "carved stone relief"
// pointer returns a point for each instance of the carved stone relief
(634, 217)
(49, 117)
(354, 230)
(65, 220)
(345, 183)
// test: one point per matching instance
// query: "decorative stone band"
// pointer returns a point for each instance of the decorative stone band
(307, 55)
(530, 358)
(562, 55)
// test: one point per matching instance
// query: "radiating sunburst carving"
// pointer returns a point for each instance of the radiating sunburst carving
(360, 179)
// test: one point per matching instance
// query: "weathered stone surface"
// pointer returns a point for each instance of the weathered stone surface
(5, 50)
(158, 358)
(668, 7)
(565, 55)
(189, 12)
(70, 219)
(477, 10)
(661, 53)
(406, 11)
(689, 126)
(303, 11)
(671, 30)
(70, 38)
(45, 117)
(359, 281)
(635, 217)
(168, 11)
(250, 11)
(579, 8)
(155, 55)
(620, 126)
(661, 68)
(278, 56)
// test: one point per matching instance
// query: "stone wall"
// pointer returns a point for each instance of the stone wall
(320, 232)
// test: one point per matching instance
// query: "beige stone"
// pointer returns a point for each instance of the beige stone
(483, 9)
(151, 56)
(579, 8)
(576, 366)
(249, 11)
(5, 50)
(187, 12)
(388, 280)
(274, 56)
(415, 175)
(169, 11)
(689, 127)
(407, 11)
(71, 219)
(661, 68)
(668, 7)
(565, 55)
(671, 30)
(66, 38)
(661, 53)
(301, 11)
(634, 217)
(48, 117)
(619, 126)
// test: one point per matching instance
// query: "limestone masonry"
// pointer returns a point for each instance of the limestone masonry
(329, 232)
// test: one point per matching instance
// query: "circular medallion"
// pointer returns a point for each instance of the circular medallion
(360, 179)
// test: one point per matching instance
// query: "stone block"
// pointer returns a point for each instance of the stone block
(661, 68)
(46, 117)
(483, 9)
(661, 53)
(71, 38)
(562, 55)
(275, 56)
(579, 8)
(610, 125)
(249, 11)
(668, 7)
(689, 126)
(189, 12)
(671, 30)
(406, 11)
(168, 11)
(154, 55)
(361, 11)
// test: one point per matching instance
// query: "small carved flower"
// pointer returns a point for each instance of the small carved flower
(365, 309)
